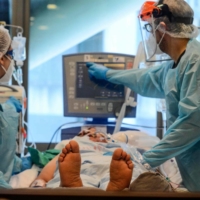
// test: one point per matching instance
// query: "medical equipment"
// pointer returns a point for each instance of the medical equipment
(19, 55)
(85, 98)
(99, 100)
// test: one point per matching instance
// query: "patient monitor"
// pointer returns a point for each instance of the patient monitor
(96, 99)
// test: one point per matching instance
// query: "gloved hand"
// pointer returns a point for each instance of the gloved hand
(97, 71)
(16, 103)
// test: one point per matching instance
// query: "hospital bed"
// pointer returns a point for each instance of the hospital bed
(141, 140)
(84, 193)
(20, 182)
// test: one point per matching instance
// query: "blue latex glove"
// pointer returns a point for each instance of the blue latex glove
(97, 71)
(16, 103)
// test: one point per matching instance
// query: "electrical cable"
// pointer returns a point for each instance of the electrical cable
(57, 131)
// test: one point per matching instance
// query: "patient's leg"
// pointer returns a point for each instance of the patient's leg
(69, 162)
(121, 169)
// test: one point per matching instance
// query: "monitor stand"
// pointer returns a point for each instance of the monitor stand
(101, 124)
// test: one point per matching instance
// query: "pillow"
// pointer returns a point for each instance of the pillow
(150, 181)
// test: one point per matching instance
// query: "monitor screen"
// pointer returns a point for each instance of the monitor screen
(84, 97)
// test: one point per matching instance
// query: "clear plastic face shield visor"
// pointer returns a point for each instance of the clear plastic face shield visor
(147, 16)
(148, 31)
(153, 52)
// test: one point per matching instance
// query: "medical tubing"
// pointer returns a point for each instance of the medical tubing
(15, 75)
(142, 126)
(13, 26)
(122, 113)
(53, 136)
(138, 59)
(57, 131)
(130, 151)
(33, 143)
(25, 123)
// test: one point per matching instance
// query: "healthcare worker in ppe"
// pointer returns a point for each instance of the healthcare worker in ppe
(9, 114)
(178, 81)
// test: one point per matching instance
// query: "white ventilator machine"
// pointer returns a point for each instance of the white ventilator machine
(17, 91)
(89, 99)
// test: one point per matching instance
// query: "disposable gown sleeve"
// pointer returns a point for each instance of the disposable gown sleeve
(184, 132)
(146, 82)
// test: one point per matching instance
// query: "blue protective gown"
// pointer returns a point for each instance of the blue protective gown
(181, 89)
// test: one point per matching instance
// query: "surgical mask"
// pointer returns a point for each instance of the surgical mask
(8, 73)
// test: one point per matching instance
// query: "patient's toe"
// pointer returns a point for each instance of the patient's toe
(128, 157)
(61, 157)
(117, 155)
(74, 147)
(68, 147)
(123, 155)
(130, 164)
(64, 150)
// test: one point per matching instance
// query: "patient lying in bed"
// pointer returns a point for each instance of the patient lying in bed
(90, 160)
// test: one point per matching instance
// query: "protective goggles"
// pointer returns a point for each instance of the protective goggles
(149, 9)
(9, 53)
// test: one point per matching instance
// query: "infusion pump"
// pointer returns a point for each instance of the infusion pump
(18, 92)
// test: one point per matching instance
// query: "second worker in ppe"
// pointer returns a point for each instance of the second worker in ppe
(9, 114)
(178, 81)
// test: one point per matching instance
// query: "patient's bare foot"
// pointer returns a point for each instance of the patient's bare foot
(69, 165)
(121, 169)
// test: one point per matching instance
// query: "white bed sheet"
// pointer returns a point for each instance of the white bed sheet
(25, 178)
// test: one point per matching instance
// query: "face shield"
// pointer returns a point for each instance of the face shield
(148, 31)
(153, 13)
